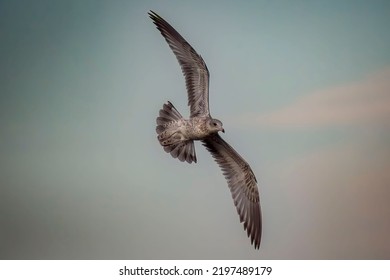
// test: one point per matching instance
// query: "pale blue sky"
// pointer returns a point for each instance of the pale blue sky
(302, 88)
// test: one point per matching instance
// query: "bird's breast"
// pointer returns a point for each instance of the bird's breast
(197, 129)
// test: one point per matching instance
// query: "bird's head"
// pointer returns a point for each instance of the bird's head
(215, 125)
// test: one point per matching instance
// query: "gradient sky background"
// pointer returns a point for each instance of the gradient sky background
(303, 89)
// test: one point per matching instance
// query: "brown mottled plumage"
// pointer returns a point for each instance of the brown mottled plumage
(177, 134)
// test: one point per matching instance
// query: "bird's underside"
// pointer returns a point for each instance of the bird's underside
(176, 134)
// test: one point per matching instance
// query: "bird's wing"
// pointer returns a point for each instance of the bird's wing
(242, 183)
(192, 64)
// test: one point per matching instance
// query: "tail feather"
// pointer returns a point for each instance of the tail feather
(169, 136)
(167, 115)
(184, 151)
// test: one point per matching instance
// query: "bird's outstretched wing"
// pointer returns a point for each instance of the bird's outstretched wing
(242, 183)
(192, 64)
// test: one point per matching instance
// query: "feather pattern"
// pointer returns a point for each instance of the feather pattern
(193, 67)
(242, 184)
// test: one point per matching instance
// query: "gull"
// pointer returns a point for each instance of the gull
(177, 135)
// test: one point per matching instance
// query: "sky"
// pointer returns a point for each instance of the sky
(303, 90)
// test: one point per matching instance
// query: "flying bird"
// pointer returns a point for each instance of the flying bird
(177, 135)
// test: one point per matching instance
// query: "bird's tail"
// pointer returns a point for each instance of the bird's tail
(169, 136)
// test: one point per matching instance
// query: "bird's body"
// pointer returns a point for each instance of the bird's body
(190, 129)
(177, 135)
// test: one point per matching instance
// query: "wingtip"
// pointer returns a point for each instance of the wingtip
(256, 242)
(153, 15)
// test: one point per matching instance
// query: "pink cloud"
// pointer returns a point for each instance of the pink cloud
(361, 102)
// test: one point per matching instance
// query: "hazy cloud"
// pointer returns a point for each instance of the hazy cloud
(336, 199)
(361, 102)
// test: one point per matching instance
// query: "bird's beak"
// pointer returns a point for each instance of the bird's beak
(223, 130)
